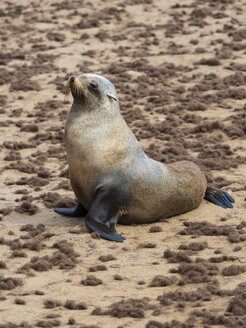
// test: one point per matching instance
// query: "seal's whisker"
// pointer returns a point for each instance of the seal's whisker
(77, 86)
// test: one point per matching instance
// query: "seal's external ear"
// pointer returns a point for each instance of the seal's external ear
(111, 97)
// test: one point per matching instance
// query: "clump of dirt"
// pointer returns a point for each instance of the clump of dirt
(5, 211)
(20, 301)
(51, 304)
(134, 308)
(233, 270)
(66, 248)
(155, 324)
(3, 241)
(10, 283)
(66, 202)
(209, 62)
(177, 257)
(48, 323)
(72, 305)
(50, 199)
(12, 156)
(53, 315)
(32, 182)
(3, 265)
(91, 281)
(235, 311)
(63, 261)
(24, 85)
(34, 245)
(220, 259)
(207, 229)
(39, 292)
(98, 267)
(107, 258)
(27, 207)
(39, 264)
(200, 294)
(194, 246)
(58, 37)
(195, 273)
(33, 231)
(155, 229)
(147, 245)
(17, 253)
(29, 128)
(237, 305)
(65, 258)
(71, 321)
(162, 281)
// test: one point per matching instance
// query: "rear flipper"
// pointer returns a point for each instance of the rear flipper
(103, 214)
(218, 197)
(78, 211)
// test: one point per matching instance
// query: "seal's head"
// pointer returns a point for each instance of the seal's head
(92, 91)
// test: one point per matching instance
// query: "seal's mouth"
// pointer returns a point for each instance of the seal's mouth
(76, 87)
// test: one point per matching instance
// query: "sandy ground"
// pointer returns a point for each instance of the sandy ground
(179, 69)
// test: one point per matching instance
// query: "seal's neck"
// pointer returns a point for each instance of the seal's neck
(94, 111)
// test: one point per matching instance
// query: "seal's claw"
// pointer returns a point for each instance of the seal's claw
(78, 211)
(217, 202)
(229, 197)
(220, 198)
(226, 200)
(110, 235)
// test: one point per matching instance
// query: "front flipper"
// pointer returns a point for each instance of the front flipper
(218, 197)
(78, 211)
(103, 214)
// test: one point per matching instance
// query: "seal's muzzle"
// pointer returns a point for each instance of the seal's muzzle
(76, 87)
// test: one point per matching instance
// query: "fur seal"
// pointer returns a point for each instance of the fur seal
(112, 177)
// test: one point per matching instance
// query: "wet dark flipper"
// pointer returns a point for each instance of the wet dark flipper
(103, 230)
(78, 211)
(218, 197)
(103, 214)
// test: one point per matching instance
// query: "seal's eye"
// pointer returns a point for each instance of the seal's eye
(93, 85)
(93, 88)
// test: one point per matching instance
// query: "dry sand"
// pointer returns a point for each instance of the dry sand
(179, 68)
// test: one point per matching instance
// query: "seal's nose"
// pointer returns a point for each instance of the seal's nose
(72, 78)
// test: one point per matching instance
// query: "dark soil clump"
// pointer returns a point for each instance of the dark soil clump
(234, 270)
(147, 245)
(98, 267)
(71, 305)
(20, 301)
(155, 229)
(162, 281)
(133, 308)
(177, 257)
(27, 207)
(106, 258)
(51, 304)
(10, 283)
(91, 281)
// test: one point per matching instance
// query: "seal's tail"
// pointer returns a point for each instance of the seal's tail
(218, 197)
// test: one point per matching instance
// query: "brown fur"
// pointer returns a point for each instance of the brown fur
(102, 150)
